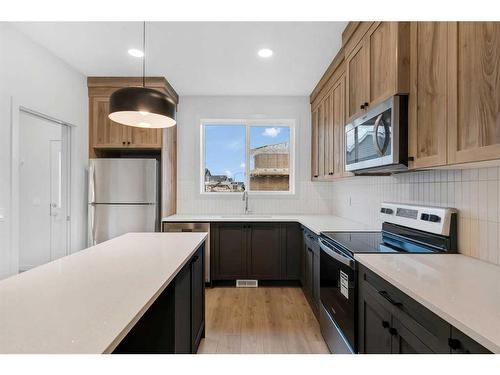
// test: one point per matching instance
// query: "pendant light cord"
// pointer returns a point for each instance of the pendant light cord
(144, 51)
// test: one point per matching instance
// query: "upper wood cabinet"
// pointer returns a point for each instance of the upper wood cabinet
(455, 93)
(474, 91)
(428, 110)
(327, 131)
(377, 64)
(107, 134)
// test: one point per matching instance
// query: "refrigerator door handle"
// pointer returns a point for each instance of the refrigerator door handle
(92, 240)
(92, 183)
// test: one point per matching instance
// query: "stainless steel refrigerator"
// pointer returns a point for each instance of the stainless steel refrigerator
(123, 198)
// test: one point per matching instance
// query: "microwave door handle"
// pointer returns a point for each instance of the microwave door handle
(375, 138)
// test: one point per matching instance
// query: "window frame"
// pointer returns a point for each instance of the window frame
(290, 123)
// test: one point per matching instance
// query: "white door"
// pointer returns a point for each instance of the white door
(43, 190)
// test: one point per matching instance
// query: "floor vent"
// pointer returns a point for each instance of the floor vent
(247, 283)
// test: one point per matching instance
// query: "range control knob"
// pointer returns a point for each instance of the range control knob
(434, 218)
(389, 211)
(424, 217)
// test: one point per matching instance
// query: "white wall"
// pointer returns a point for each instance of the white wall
(474, 192)
(309, 197)
(38, 80)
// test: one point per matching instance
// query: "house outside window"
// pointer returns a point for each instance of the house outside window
(247, 155)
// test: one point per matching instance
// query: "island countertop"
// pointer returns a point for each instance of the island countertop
(88, 301)
(462, 290)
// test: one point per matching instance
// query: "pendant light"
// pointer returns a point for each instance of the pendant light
(141, 106)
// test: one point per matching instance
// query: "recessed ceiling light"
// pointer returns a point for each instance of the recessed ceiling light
(135, 52)
(265, 52)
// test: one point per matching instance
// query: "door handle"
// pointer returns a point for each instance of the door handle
(380, 149)
(386, 295)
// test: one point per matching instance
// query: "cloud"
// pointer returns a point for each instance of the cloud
(234, 145)
(242, 165)
(228, 173)
(271, 132)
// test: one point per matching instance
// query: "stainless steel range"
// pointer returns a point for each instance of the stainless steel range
(406, 229)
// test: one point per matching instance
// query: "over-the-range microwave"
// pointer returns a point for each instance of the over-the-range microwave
(377, 141)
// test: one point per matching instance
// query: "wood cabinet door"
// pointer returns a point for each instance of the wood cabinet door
(382, 48)
(230, 256)
(374, 324)
(357, 78)
(106, 133)
(145, 138)
(322, 116)
(428, 106)
(264, 248)
(329, 135)
(338, 119)
(314, 143)
(474, 91)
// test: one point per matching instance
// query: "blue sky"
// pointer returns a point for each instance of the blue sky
(225, 146)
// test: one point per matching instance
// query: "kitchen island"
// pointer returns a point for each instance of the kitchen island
(90, 301)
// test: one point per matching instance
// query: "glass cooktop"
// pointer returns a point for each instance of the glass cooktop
(360, 242)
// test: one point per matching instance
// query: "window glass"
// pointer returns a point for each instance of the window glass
(225, 157)
(269, 158)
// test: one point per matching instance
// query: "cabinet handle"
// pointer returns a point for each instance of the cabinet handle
(128, 142)
(366, 104)
(454, 343)
(385, 324)
(124, 142)
(386, 295)
(393, 331)
(195, 258)
(315, 176)
(362, 106)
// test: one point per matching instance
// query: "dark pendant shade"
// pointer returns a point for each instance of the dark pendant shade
(141, 107)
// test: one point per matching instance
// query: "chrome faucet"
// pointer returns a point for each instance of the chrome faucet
(245, 199)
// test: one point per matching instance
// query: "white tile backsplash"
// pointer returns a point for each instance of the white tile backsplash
(474, 192)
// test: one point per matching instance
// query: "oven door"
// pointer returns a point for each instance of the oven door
(338, 299)
(372, 139)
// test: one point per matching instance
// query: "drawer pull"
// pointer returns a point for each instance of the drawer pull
(385, 324)
(393, 331)
(386, 295)
(454, 343)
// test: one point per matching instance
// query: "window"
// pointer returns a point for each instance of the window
(247, 155)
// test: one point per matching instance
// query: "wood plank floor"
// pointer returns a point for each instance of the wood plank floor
(260, 320)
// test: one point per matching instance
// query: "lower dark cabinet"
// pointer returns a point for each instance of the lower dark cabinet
(261, 251)
(175, 322)
(374, 325)
(311, 267)
(460, 343)
(197, 300)
(389, 321)
(264, 251)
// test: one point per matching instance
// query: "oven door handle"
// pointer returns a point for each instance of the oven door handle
(336, 254)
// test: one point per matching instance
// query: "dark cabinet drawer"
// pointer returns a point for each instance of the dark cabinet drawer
(385, 310)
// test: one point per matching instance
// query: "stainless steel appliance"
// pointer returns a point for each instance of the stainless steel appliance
(377, 141)
(194, 227)
(123, 197)
(406, 229)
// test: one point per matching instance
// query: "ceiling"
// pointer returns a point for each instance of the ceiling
(199, 58)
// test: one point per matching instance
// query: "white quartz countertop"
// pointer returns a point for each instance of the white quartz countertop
(462, 290)
(88, 301)
(316, 223)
